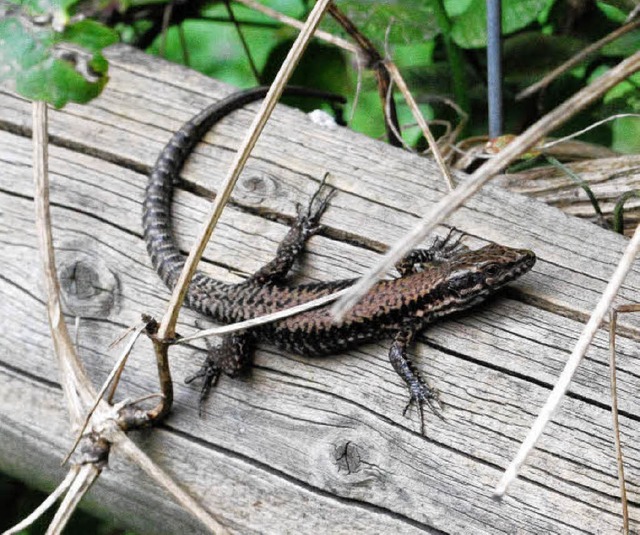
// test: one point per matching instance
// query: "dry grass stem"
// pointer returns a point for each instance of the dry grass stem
(114, 375)
(167, 326)
(85, 477)
(417, 114)
(166, 330)
(586, 129)
(294, 23)
(267, 318)
(75, 383)
(614, 410)
(560, 388)
(578, 58)
(453, 200)
(78, 390)
(46, 504)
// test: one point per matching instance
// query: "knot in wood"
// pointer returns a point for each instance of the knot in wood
(357, 464)
(254, 189)
(348, 457)
(89, 288)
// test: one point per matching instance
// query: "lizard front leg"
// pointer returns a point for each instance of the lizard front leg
(292, 246)
(419, 391)
(443, 248)
(232, 357)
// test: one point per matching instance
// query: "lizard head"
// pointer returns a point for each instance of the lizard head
(475, 274)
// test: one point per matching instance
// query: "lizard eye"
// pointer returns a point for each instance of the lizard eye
(492, 270)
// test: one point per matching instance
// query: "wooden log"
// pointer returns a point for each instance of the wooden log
(307, 445)
(607, 178)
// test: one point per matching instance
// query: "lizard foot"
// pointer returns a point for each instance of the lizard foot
(232, 357)
(442, 249)
(421, 393)
(309, 217)
(210, 372)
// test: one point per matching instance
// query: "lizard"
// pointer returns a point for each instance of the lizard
(432, 283)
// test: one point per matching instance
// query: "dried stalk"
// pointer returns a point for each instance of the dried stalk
(578, 58)
(294, 23)
(75, 383)
(114, 375)
(614, 410)
(261, 320)
(417, 114)
(166, 330)
(125, 446)
(560, 388)
(46, 504)
(85, 477)
(452, 201)
(374, 60)
(77, 388)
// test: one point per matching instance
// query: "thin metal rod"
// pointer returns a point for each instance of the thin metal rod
(494, 67)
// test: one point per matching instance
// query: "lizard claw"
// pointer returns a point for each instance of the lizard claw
(210, 373)
(421, 394)
(309, 219)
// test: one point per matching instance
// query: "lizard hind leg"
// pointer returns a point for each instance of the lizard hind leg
(232, 357)
(420, 392)
(292, 246)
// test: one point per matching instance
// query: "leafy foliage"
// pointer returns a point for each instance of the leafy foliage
(438, 44)
(56, 66)
(469, 29)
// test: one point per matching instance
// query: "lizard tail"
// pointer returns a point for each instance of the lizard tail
(166, 258)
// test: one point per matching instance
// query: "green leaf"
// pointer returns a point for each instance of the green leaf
(456, 7)
(55, 67)
(90, 35)
(612, 12)
(392, 21)
(470, 27)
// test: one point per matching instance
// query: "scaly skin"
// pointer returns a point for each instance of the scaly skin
(434, 282)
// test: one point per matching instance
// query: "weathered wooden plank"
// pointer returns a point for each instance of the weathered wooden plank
(282, 434)
(608, 178)
(133, 127)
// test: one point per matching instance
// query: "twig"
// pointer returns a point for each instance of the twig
(550, 144)
(614, 410)
(78, 390)
(374, 60)
(589, 331)
(85, 477)
(75, 382)
(166, 330)
(267, 318)
(450, 202)
(417, 114)
(320, 34)
(127, 447)
(243, 41)
(166, 19)
(580, 56)
(183, 44)
(115, 372)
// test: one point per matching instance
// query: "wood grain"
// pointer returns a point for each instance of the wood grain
(307, 445)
